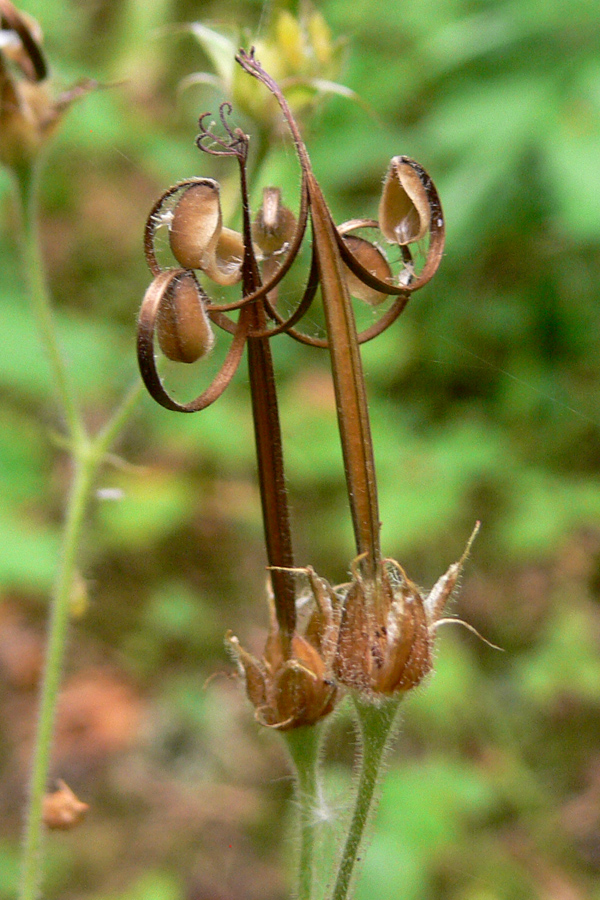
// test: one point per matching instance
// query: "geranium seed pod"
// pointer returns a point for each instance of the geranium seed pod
(183, 327)
(404, 210)
(196, 220)
(374, 261)
(198, 239)
(274, 225)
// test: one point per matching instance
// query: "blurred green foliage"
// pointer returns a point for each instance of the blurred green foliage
(484, 400)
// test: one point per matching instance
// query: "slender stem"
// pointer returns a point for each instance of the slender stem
(104, 439)
(34, 272)
(377, 726)
(87, 460)
(303, 746)
(348, 379)
(271, 479)
(269, 450)
(59, 619)
(88, 454)
(349, 383)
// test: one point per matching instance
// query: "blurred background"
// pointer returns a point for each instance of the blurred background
(485, 405)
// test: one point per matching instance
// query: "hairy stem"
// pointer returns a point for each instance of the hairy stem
(269, 449)
(376, 727)
(55, 649)
(34, 272)
(88, 454)
(303, 746)
(349, 384)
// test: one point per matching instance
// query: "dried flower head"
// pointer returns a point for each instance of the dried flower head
(387, 628)
(62, 809)
(293, 689)
(29, 114)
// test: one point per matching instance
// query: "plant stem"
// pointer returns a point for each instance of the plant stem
(105, 438)
(269, 450)
(34, 272)
(88, 455)
(303, 746)
(59, 620)
(376, 726)
(349, 384)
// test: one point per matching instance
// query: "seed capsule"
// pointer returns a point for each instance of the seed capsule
(404, 209)
(198, 239)
(183, 327)
(274, 225)
(374, 261)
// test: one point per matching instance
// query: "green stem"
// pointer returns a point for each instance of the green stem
(303, 746)
(59, 620)
(105, 438)
(88, 455)
(34, 272)
(376, 725)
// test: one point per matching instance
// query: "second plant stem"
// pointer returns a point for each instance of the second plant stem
(376, 724)
(303, 747)
(88, 455)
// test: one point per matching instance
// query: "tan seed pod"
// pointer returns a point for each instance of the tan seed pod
(198, 239)
(62, 810)
(374, 261)
(404, 209)
(183, 327)
(274, 225)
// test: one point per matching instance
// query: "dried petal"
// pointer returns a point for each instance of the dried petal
(404, 209)
(183, 328)
(198, 239)
(374, 261)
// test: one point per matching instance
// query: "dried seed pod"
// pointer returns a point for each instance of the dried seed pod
(275, 224)
(374, 261)
(404, 209)
(183, 327)
(387, 628)
(198, 239)
(384, 644)
(62, 809)
(295, 689)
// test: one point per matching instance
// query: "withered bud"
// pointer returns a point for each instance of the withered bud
(29, 114)
(296, 690)
(62, 809)
(183, 327)
(404, 209)
(198, 239)
(387, 628)
(374, 261)
(274, 225)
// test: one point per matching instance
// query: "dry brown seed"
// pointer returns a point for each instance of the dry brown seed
(404, 210)
(183, 328)
(372, 259)
(196, 217)
(274, 225)
(198, 239)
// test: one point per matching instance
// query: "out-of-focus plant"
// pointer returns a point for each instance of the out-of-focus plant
(29, 115)
(300, 52)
